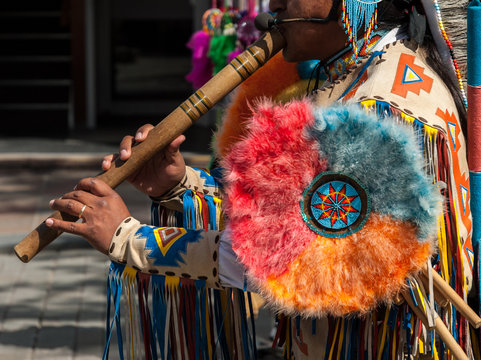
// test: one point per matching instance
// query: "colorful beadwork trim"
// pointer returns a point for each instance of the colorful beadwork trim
(335, 205)
(357, 15)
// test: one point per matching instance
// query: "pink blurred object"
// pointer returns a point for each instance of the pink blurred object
(232, 55)
(246, 31)
(246, 35)
(202, 66)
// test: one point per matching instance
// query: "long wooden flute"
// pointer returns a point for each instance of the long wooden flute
(168, 129)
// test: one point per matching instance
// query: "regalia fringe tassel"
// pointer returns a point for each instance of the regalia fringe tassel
(166, 317)
(200, 211)
(392, 332)
(452, 259)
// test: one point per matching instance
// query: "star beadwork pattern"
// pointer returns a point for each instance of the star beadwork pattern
(336, 205)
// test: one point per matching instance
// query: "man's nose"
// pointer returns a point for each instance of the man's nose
(277, 5)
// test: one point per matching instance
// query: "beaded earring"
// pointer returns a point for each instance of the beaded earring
(357, 14)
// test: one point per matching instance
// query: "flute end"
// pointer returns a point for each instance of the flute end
(22, 257)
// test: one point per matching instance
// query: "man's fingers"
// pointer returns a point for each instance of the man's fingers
(126, 147)
(142, 132)
(107, 161)
(81, 196)
(94, 186)
(174, 146)
(128, 141)
(69, 206)
(66, 226)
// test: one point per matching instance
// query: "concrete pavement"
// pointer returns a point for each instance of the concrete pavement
(54, 306)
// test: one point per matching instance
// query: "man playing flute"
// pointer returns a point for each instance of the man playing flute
(327, 205)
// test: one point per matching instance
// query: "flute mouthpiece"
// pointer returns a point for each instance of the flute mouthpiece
(264, 21)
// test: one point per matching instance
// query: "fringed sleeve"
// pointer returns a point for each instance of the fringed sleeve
(165, 291)
(169, 251)
(195, 203)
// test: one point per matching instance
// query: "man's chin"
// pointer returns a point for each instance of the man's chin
(290, 56)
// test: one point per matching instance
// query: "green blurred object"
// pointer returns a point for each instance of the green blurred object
(221, 45)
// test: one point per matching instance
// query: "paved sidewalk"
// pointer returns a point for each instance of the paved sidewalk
(48, 154)
(54, 306)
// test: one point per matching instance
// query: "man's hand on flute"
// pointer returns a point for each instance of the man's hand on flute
(99, 207)
(161, 173)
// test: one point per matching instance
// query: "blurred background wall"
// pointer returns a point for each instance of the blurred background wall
(102, 68)
(80, 66)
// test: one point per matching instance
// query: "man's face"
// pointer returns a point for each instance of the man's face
(307, 41)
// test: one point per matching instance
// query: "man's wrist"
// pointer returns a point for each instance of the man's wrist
(119, 240)
(170, 191)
